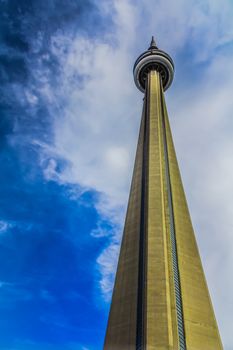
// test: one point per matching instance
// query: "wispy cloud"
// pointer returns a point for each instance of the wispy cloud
(107, 265)
(11, 293)
(4, 226)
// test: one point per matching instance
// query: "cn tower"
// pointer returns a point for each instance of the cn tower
(160, 299)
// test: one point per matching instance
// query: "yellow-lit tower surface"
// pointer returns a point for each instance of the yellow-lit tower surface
(160, 299)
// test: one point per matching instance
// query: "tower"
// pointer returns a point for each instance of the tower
(160, 299)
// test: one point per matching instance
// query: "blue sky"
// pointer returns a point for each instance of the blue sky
(69, 118)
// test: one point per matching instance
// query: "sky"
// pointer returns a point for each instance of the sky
(69, 120)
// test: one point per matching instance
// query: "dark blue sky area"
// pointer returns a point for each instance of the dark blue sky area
(47, 258)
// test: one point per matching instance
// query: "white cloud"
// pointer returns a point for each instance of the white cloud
(96, 132)
(4, 226)
(31, 98)
(4, 284)
(107, 262)
(205, 25)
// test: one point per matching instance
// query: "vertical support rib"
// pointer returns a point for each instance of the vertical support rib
(159, 330)
(175, 265)
(140, 334)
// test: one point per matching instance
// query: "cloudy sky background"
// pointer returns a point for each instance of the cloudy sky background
(69, 122)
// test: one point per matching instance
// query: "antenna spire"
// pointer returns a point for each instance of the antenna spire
(153, 44)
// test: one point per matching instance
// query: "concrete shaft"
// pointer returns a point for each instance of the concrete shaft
(160, 299)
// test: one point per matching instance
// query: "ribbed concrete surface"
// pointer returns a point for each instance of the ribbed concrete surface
(144, 309)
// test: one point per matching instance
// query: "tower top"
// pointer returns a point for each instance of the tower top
(153, 59)
(153, 44)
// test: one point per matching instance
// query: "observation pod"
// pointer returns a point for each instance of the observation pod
(153, 59)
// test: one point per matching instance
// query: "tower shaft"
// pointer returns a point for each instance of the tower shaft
(160, 299)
